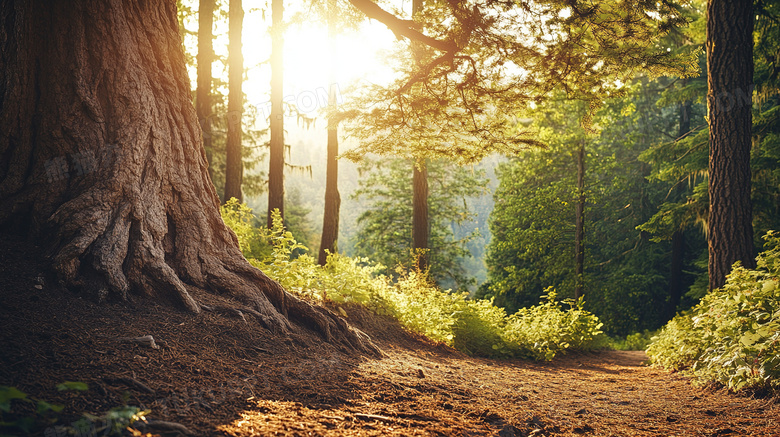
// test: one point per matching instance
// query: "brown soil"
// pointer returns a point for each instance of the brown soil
(218, 375)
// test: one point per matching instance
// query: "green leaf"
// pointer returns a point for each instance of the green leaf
(45, 407)
(73, 385)
(7, 394)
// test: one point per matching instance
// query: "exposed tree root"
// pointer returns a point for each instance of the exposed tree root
(123, 254)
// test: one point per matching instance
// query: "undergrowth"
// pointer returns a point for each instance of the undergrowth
(732, 337)
(474, 326)
(21, 414)
(637, 341)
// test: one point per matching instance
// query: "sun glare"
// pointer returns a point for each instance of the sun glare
(313, 63)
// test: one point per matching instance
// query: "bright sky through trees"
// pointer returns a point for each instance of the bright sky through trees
(360, 55)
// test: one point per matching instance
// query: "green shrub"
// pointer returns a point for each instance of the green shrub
(732, 337)
(545, 330)
(474, 326)
(637, 341)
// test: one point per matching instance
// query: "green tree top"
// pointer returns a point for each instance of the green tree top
(461, 95)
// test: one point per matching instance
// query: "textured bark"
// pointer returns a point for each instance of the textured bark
(420, 225)
(330, 219)
(234, 165)
(205, 58)
(103, 164)
(579, 225)
(276, 125)
(729, 80)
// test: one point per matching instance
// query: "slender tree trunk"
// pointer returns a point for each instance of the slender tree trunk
(579, 225)
(676, 285)
(276, 152)
(729, 80)
(234, 167)
(205, 59)
(104, 166)
(420, 225)
(330, 219)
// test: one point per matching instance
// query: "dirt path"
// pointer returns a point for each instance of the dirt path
(604, 394)
(218, 375)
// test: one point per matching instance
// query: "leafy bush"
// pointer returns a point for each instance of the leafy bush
(545, 330)
(473, 326)
(243, 222)
(637, 341)
(732, 337)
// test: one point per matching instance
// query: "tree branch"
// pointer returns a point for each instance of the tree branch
(401, 27)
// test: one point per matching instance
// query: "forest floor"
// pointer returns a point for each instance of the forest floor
(218, 375)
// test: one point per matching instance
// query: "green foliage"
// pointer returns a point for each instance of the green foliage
(637, 341)
(385, 233)
(38, 414)
(533, 221)
(73, 385)
(114, 422)
(732, 337)
(545, 330)
(240, 218)
(465, 107)
(473, 326)
(43, 413)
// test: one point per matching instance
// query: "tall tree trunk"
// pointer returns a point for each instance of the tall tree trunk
(276, 152)
(330, 219)
(729, 81)
(103, 163)
(420, 225)
(205, 59)
(579, 225)
(234, 166)
(676, 285)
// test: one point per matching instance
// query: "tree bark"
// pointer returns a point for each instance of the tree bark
(103, 163)
(579, 225)
(420, 225)
(330, 219)
(276, 125)
(205, 60)
(234, 166)
(729, 80)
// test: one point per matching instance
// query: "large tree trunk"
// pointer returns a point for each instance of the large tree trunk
(330, 219)
(234, 165)
(276, 125)
(579, 225)
(103, 163)
(729, 81)
(205, 59)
